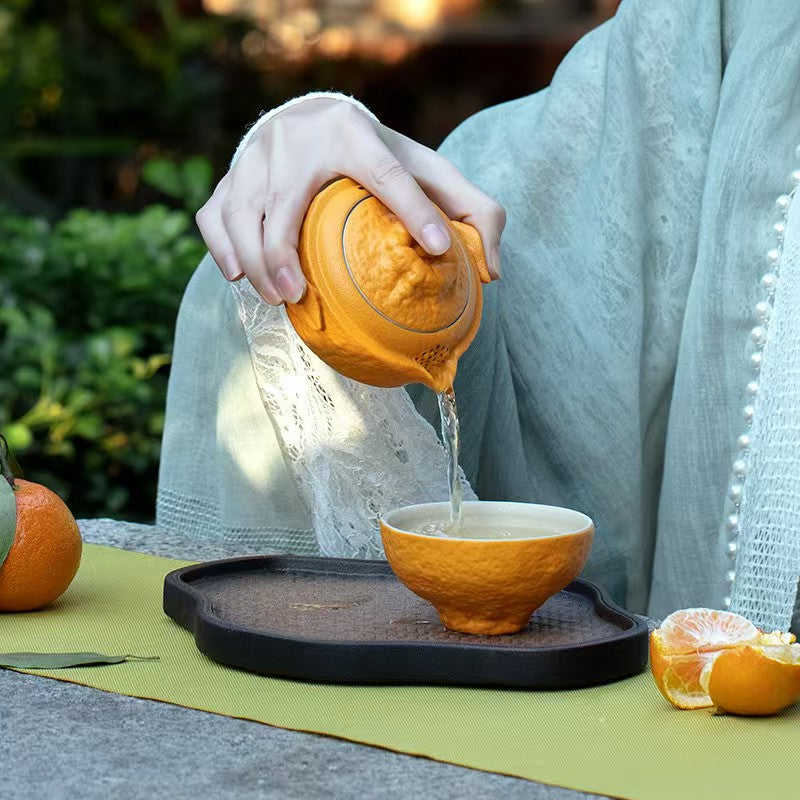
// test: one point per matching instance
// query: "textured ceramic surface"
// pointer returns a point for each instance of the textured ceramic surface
(488, 586)
(378, 308)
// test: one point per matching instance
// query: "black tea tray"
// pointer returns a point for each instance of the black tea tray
(351, 621)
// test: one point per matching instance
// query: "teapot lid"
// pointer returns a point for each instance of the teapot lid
(397, 277)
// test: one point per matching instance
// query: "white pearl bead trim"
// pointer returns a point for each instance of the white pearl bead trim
(758, 339)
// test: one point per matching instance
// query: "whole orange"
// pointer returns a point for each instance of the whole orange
(46, 551)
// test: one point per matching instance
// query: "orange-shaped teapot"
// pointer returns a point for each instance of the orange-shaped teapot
(378, 308)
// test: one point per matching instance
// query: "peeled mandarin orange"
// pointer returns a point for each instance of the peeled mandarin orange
(701, 658)
(693, 630)
(46, 551)
(678, 676)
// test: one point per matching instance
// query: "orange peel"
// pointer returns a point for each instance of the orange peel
(754, 681)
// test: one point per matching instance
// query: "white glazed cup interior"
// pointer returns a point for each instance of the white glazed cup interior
(543, 521)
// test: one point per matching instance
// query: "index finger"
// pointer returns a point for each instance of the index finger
(380, 171)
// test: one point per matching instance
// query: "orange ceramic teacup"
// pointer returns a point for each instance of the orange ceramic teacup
(510, 558)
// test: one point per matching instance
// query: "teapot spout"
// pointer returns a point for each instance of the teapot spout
(441, 376)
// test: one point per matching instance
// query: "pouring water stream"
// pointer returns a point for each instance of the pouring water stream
(449, 417)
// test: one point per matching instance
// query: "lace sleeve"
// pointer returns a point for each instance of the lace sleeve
(354, 451)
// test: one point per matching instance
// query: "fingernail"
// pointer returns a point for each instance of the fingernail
(231, 269)
(494, 261)
(435, 238)
(290, 285)
(269, 294)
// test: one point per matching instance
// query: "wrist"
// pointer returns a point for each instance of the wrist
(268, 115)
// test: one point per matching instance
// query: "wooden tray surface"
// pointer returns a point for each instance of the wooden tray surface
(352, 621)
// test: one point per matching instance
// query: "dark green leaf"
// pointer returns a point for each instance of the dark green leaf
(8, 518)
(63, 660)
(197, 176)
(16, 469)
(84, 354)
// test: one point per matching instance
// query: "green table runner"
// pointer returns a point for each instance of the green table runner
(622, 740)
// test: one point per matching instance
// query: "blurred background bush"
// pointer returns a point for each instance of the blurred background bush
(116, 118)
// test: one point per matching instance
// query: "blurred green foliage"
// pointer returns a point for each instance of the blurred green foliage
(87, 311)
(187, 183)
(101, 106)
(90, 91)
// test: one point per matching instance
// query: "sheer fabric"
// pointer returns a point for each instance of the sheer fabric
(768, 560)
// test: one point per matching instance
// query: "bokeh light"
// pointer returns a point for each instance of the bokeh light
(381, 30)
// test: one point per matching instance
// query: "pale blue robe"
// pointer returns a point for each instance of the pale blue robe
(609, 371)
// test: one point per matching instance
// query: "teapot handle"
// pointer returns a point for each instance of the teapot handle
(472, 240)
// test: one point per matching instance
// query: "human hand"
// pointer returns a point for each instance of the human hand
(251, 223)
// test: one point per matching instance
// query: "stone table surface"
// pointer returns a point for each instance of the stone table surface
(60, 741)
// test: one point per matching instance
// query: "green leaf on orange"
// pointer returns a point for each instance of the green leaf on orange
(8, 518)
(16, 469)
